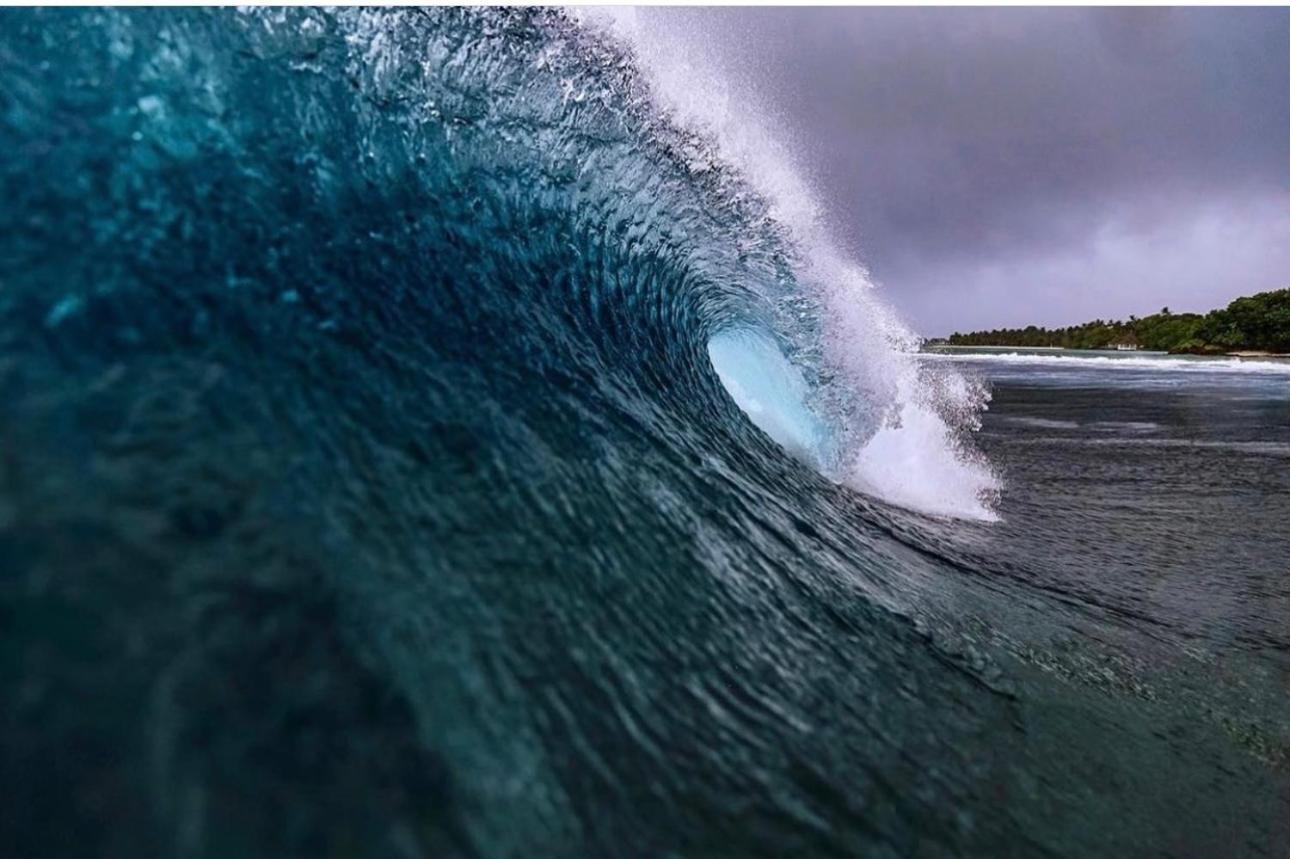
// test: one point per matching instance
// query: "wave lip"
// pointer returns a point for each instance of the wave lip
(889, 432)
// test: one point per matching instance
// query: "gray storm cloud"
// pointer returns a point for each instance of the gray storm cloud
(1008, 166)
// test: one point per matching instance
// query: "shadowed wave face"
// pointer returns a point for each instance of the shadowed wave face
(367, 486)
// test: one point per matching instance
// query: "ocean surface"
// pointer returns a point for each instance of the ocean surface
(454, 433)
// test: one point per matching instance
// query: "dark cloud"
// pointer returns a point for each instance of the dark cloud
(998, 166)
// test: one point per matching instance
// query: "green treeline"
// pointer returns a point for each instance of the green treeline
(1258, 322)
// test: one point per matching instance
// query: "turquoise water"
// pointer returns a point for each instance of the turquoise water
(415, 441)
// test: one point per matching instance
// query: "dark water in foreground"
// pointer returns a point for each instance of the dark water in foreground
(365, 490)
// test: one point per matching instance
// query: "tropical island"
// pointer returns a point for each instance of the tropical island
(1257, 323)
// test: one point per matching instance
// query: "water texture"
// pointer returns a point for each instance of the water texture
(374, 482)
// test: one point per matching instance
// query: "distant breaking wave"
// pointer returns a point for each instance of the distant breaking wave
(1128, 362)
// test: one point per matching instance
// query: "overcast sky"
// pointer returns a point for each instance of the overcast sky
(1009, 166)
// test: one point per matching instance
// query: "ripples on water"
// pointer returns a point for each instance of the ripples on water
(366, 489)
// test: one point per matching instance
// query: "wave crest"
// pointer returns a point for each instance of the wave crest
(895, 432)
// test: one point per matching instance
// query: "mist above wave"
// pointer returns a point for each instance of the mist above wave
(893, 431)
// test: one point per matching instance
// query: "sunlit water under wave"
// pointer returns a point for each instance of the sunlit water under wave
(417, 438)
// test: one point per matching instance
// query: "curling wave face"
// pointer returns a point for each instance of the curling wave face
(397, 419)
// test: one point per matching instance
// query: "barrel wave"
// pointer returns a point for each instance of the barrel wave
(419, 439)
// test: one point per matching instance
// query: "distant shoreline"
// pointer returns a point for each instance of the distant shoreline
(1253, 326)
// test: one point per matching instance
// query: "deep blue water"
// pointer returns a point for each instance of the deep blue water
(367, 489)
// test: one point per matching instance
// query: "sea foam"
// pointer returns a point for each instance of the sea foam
(893, 432)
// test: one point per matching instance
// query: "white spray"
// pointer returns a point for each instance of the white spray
(914, 457)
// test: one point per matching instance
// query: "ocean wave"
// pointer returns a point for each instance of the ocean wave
(887, 428)
(452, 432)
(334, 342)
